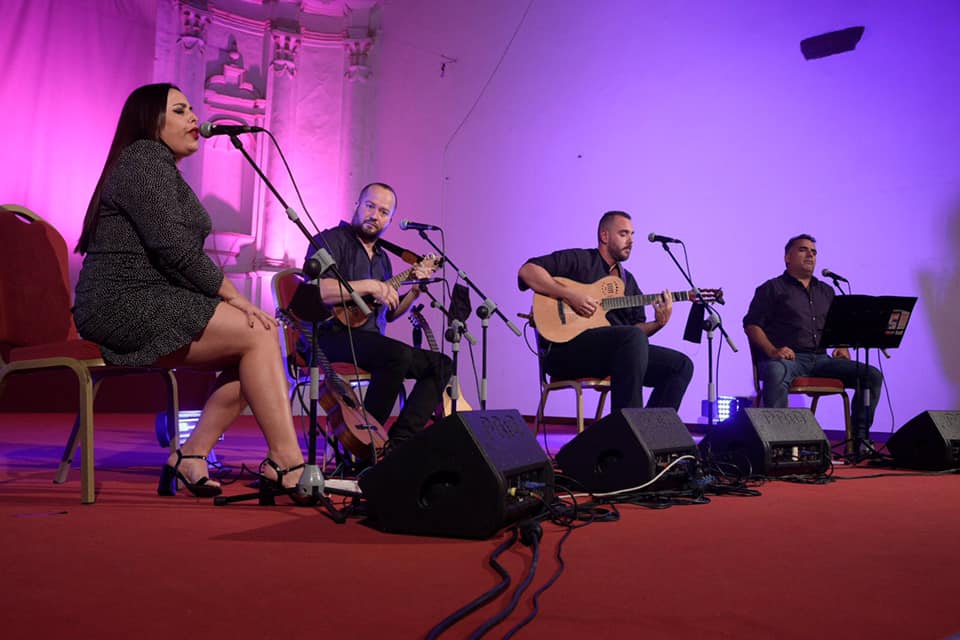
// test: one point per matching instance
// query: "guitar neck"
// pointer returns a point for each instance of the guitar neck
(324, 364)
(422, 323)
(400, 277)
(624, 302)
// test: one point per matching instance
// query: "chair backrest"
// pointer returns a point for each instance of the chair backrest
(35, 296)
(285, 284)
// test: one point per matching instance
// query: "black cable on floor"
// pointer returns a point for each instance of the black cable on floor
(484, 598)
(530, 534)
(549, 583)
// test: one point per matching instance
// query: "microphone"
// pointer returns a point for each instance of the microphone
(826, 273)
(208, 129)
(655, 238)
(406, 225)
(421, 281)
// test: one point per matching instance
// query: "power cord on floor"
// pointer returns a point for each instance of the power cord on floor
(530, 535)
(484, 598)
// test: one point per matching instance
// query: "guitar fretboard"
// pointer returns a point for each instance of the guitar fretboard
(421, 322)
(400, 277)
(624, 302)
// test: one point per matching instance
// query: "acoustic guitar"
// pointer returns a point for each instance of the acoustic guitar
(556, 321)
(350, 315)
(418, 321)
(355, 429)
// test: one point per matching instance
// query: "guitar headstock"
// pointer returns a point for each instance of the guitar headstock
(708, 295)
(431, 261)
(415, 316)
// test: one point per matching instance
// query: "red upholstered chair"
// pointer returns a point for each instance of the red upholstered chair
(285, 288)
(292, 300)
(813, 388)
(37, 331)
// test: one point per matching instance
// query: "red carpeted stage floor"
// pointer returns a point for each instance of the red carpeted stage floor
(856, 558)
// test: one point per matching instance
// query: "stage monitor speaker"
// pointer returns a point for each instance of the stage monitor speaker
(931, 440)
(628, 448)
(769, 442)
(468, 476)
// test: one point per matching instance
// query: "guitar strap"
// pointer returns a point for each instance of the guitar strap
(405, 254)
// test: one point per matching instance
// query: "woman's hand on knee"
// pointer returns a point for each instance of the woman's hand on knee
(255, 315)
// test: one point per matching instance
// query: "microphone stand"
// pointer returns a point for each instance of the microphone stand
(311, 482)
(712, 322)
(452, 335)
(484, 311)
(858, 389)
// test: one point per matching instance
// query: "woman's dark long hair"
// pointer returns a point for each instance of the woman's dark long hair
(142, 118)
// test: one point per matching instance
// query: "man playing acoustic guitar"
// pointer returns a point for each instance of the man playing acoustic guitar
(362, 261)
(621, 350)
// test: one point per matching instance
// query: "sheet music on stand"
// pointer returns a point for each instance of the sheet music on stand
(869, 322)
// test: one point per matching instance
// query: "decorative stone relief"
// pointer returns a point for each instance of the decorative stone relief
(358, 50)
(285, 47)
(193, 26)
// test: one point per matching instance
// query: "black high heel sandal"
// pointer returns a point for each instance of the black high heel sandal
(272, 487)
(169, 476)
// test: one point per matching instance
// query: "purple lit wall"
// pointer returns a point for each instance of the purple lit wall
(702, 119)
(67, 68)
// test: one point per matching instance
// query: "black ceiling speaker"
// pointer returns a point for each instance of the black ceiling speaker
(832, 43)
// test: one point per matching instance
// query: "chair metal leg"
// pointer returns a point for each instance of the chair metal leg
(88, 391)
(540, 409)
(851, 448)
(600, 404)
(66, 460)
(173, 408)
(579, 391)
(84, 381)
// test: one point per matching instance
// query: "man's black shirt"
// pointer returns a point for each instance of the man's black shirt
(354, 264)
(587, 266)
(790, 314)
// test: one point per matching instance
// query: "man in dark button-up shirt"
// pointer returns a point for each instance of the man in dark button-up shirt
(362, 261)
(620, 351)
(784, 324)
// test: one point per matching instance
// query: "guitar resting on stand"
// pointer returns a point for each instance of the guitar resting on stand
(452, 393)
(484, 311)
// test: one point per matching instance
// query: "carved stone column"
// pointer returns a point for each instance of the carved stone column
(281, 113)
(189, 71)
(356, 129)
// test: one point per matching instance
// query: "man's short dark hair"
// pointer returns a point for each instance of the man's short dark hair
(607, 217)
(382, 185)
(795, 239)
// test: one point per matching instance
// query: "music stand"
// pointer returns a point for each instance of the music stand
(867, 322)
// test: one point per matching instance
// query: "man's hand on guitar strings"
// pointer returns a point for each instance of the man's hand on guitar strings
(582, 303)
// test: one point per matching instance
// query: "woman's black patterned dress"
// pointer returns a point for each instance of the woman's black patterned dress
(146, 287)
